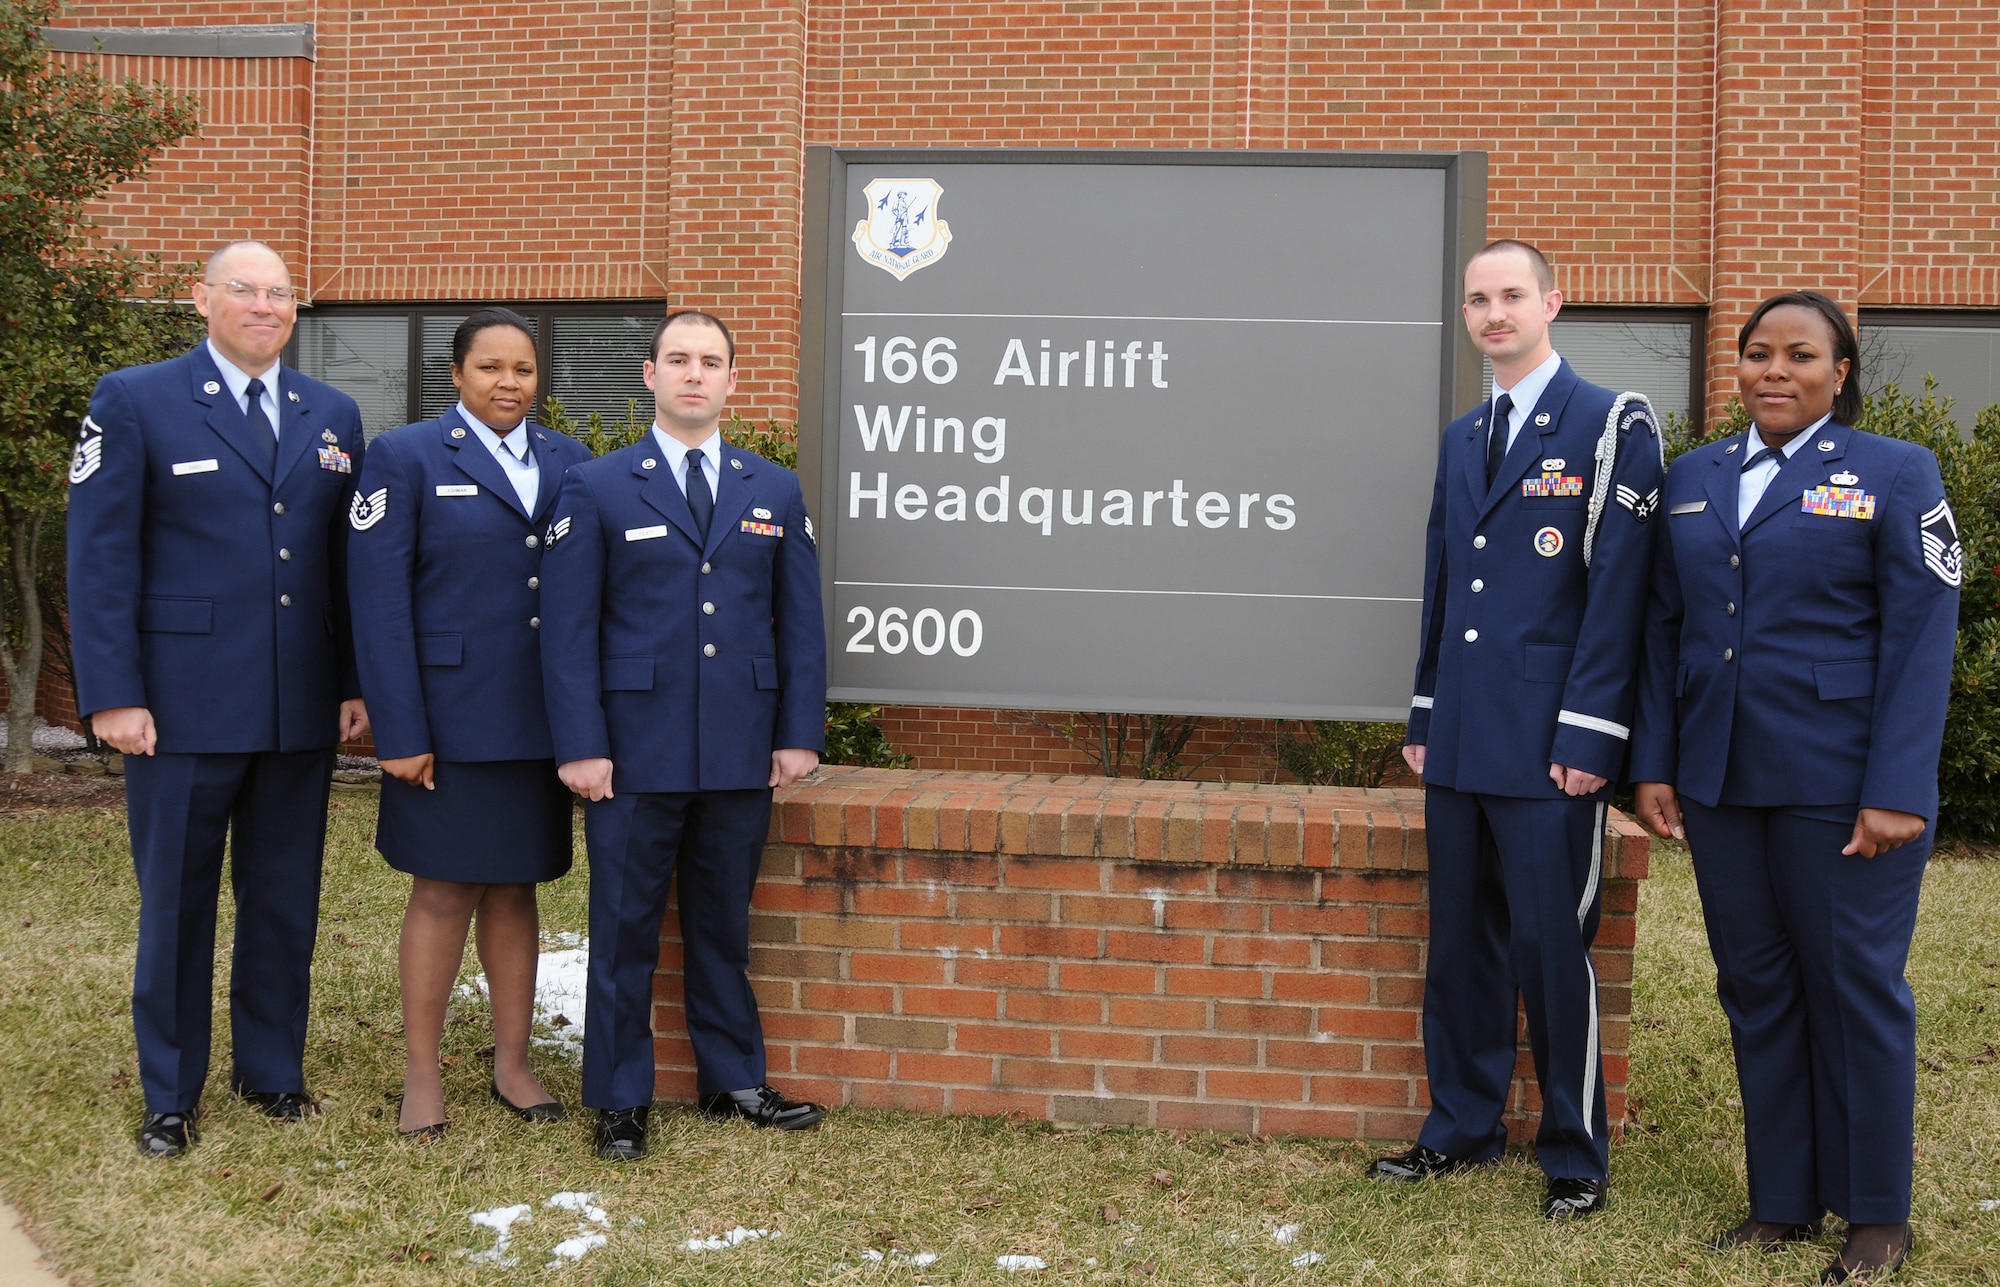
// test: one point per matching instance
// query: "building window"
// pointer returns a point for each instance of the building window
(1961, 351)
(396, 361)
(1656, 352)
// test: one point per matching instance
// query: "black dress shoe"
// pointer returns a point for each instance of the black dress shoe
(1571, 1198)
(546, 1112)
(1872, 1252)
(762, 1106)
(1764, 1235)
(1419, 1163)
(167, 1134)
(621, 1133)
(281, 1105)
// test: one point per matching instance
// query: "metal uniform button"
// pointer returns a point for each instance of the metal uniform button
(285, 600)
(1729, 654)
(708, 609)
(1472, 636)
(1735, 562)
(278, 508)
(534, 623)
(1478, 585)
(284, 556)
(1478, 542)
(534, 541)
(534, 583)
(708, 650)
(704, 569)
(1728, 609)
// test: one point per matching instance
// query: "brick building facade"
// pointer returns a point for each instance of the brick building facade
(1669, 156)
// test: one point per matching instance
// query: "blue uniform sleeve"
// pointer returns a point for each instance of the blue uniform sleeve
(1656, 722)
(355, 443)
(801, 633)
(1436, 579)
(107, 512)
(1919, 563)
(573, 562)
(384, 521)
(1594, 726)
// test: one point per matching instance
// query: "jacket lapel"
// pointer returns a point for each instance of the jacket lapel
(1720, 489)
(732, 495)
(1801, 470)
(297, 439)
(551, 464)
(1544, 418)
(658, 488)
(477, 463)
(209, 389)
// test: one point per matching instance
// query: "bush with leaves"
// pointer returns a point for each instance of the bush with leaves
(853, 729)
(1348, 753)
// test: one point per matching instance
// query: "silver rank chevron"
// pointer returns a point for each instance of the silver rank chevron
(89, 451)
(367, 511)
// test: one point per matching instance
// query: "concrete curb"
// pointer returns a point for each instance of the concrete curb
(21, 1263)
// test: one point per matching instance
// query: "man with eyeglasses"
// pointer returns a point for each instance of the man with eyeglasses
(208, 618)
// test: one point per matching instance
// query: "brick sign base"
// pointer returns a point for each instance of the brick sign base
(1080, 949)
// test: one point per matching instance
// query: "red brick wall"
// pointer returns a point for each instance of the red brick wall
(1140, 953)
(963, 738)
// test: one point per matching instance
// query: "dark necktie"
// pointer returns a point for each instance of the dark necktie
(260, 424)
(1769, 453)
(700, 499)
(1496, 437)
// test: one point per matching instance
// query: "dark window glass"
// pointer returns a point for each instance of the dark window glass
(1654, 356)
(1963, 359)
(595, 366)
(365, 357)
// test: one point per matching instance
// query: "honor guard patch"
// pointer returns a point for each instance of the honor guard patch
(1943, 554)
(1548, 542)
(367, 511)
(1636, 413)
(89, 453)
(558, 530)
(755, 528)
(1553, 485)
(335, 459)
(1839, 502)
(1642, 507)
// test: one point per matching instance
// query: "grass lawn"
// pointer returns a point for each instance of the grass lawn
(342, 1200)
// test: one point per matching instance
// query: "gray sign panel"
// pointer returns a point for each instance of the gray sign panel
(1144, 432)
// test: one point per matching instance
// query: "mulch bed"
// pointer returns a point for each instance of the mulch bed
(32, 795)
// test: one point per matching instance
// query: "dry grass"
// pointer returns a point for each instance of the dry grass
(353, 1204)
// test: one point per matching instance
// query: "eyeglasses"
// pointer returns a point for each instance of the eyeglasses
(279, 295)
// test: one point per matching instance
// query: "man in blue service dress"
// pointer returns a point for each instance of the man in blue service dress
(684, 656)
(1535, 572)
(208, 613)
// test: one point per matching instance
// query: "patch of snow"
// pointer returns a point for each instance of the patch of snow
(1303, 1259)
(1989, 1204)
(581, 1203)
(501, 1221)
(734, 1238)
(900, 1257)
(576, 1248)
(1015, 1264)
(1285, 1235)
(562, 979)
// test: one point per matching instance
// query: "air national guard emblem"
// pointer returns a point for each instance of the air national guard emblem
(89, 451)
(902, 232)
(367, 511)
(1942, 552)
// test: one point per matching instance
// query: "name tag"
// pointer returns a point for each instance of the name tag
(645, 533)
(1689, 507)
(458, 489)
(195, 467)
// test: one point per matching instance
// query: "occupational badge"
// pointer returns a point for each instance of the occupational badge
(1548, 542)
(901, 231)
(1943, 554)
(367, 511)
(89, 453)
(1843, 480)
(328, 435)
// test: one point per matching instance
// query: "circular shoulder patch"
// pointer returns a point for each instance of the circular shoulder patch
(1548, 542)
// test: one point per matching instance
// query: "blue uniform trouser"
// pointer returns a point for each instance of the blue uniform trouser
(270, 807)
(1809, 953)
(1514, 903)
(637, 842)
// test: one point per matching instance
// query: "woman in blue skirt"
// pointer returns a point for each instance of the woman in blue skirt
(444, 576)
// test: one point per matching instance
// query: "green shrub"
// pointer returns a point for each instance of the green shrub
(1349, 753)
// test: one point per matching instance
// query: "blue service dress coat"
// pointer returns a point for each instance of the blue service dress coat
(687, 661)
(445, 569)
(1528, 657)
(1797, 671)
(208, 584)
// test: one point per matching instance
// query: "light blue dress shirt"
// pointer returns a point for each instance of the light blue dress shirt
(238, 381)
(1526, 393)
(516, 461)
(1750, 488)
(709, 451)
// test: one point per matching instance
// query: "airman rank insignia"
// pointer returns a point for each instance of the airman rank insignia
(335, 459)
(367, 511)
(1553, 485)
(1548, 542)
(1839, 502)
(1642, 507)
(1943, 554)
(89, 452)
(809, 531)
(558, 530)
(762, 529)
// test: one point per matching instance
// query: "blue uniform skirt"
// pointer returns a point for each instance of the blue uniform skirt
(501, 822)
